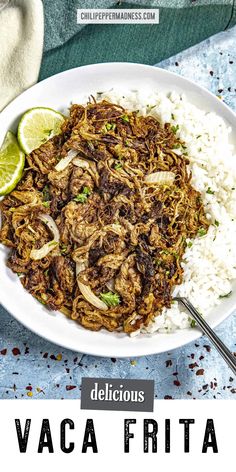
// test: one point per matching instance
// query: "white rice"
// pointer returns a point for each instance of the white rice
(210, 263)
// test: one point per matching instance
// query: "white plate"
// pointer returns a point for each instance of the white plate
(58, 92)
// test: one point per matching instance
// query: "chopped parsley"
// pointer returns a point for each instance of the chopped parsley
(209, 191)
(172, 116)
(111, 299)
(63, 248)
(193, 323)
(46, 193)
(125, 118)
(165, 251)
(202, 232)
(53, 243)
(118, 166)
(82, 197)
(227, 295)
(217, 223)
(41, 301)
(175, 128)
(110, 126)
(190, 244)
(46, 204)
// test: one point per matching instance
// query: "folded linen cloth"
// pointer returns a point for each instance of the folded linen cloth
(60, 15)
(66, 45)
(21, 39)
(183, 23)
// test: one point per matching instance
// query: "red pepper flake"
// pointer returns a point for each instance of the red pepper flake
(192, 356)
(27, 350)
(192, 366)
(75, 360)
(189, 393)
(177, 383)
(168, 397)
(168, 363)
(45, 356)
(200, 372)
(16, 351)
(53, 357)
(29, 388)
(70, 387)
(207, 347)
(211, 72)
(201, 358)
(233, 390)
(3, 352)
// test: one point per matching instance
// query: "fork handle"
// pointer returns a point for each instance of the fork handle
(219, 345)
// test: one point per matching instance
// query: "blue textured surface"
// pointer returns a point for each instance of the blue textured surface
(31, 367)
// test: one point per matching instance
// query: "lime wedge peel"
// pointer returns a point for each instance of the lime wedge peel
(12, 161)
(37, 126)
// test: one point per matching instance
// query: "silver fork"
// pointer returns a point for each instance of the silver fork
(216, 341)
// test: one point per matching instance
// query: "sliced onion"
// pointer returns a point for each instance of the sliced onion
(164, 177)
(87, 292)
(81, 163)
(52, 226)
(111, 285)
(37, 254)
(65, 161)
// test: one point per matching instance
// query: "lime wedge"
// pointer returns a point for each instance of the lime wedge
(12, 161)
(37, 126)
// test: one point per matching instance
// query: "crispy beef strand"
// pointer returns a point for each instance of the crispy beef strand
(130, 236)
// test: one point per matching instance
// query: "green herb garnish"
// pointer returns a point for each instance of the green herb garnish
(226, 295)
(111, 299)
(193, 323)
(165, 251)
(82, 197)
(46, 193)
(110, 126)
(63, 248)
(46, 204)
(118, 166)
(217, 223)
(175, 128)
(53, 243)
(202, 232)
(190, 244)
(211, 192)
(125, 118)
